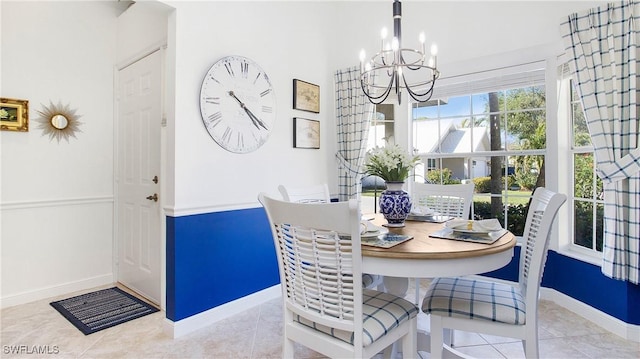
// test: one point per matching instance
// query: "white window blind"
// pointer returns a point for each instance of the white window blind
(525, 75)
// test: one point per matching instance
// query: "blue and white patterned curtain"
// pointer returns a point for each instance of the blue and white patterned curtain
(354, 113)
(603, 45)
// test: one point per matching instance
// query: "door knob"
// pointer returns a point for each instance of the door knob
(153, 198)
(155, 179)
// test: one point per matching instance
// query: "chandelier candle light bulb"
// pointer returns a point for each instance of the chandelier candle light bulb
(383, 38)
(397, 68)
(434, 53)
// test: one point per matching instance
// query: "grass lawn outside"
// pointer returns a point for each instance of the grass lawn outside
(514, 197)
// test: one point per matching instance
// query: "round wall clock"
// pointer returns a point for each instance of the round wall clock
(238, 104)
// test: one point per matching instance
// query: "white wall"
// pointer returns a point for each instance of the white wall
(289, 40)
(57, 198)
(471, 35)
(141, 28)
(463, 30)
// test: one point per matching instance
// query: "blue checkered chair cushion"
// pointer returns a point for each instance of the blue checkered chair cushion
(475, 299)
(381, 311)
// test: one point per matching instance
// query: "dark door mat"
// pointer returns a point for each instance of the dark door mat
(102, 309)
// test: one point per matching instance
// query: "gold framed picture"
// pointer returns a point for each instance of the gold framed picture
(306, 96)
(14, 115)
(306, 133)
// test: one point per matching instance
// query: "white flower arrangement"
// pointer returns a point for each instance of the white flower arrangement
(392, 163)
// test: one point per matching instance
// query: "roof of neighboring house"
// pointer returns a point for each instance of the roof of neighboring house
(461, 140)
(428, 134)
(454, 140)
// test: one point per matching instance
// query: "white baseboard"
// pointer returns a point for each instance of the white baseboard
(48, 292)
(177, 329)
(201, 320)
(614, 325)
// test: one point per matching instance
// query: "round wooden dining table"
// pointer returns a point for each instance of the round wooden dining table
(428, 257)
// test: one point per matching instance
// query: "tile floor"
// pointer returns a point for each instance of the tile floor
(256, 333)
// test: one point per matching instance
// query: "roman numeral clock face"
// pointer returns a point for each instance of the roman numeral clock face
(237, 103)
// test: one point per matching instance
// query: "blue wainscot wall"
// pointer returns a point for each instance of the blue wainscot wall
(215, 258)
(219, 257)
(584, 282)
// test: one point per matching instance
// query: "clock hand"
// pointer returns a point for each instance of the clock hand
(251, 117)
(256, 121)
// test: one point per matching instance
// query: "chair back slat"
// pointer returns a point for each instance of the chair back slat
(530, 241)
(448, 206)
(542, 211)
(314, 262)
(319, 255)
(311, 194)
(448, 200)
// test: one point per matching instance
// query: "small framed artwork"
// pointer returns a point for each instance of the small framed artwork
(14, 115)
(306, 133)
(306, 96)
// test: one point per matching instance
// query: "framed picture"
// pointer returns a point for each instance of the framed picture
(306, 133)
(306, 96)
(14, 115)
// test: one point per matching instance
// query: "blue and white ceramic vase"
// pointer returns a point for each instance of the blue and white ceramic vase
(395, 204)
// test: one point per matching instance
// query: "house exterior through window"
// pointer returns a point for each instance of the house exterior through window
(491, 131)
(491, 128)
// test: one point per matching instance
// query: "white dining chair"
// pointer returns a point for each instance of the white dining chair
(453, 200)
(319, 193)
(325, 309)
(492, 307)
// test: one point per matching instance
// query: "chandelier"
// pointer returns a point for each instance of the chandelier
(396, 68)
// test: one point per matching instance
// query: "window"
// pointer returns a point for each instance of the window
(432, 164)
(381, 130)
(381, 133)
(491, 131)
(587, 198)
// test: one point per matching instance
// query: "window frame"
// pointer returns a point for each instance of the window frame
(566, 112)
(566, 243)
(532, 78)
(557, 131)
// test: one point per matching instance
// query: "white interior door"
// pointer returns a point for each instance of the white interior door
(138, 189)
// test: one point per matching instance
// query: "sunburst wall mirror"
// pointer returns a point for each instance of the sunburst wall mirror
(58, 121)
